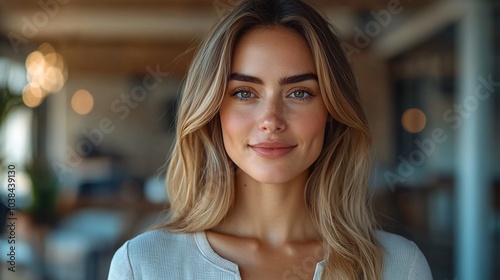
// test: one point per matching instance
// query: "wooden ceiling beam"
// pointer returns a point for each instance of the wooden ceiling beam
(122, 37)
(125, 59)
(111, 4)
(201, 4)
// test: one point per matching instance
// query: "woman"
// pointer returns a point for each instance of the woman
(268, 176)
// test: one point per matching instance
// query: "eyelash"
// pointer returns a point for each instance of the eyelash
(306, 91)
(236, 91)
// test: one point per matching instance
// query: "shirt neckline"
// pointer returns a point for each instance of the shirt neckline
(209, 253)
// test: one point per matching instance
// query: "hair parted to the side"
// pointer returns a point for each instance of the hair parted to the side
(201, 176)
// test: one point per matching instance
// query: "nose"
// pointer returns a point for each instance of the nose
(272, 119)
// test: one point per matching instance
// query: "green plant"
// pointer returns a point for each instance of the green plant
(44, 192)
(8, 101)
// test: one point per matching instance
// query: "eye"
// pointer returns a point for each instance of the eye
(242, 94)
(301, 94)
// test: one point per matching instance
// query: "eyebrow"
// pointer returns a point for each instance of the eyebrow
(283, 81)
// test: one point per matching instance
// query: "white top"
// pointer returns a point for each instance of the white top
(160, 254)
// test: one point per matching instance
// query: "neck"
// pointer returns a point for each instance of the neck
(272, 213)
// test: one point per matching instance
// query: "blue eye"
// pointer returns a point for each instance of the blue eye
(244, 94)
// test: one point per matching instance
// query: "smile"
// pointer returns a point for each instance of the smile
(273, 150)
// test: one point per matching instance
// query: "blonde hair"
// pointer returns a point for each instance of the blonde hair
(201, 176)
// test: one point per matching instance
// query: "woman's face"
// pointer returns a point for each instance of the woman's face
(273, 116)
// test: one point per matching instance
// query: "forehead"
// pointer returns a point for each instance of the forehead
(276, 49)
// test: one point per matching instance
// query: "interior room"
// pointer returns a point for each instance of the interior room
(89, 93)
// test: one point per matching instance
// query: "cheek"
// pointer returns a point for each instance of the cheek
(312, 127)
(234, 126)
(315, 130)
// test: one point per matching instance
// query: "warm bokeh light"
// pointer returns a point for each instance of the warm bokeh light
(32, 97)
(46, 48)
(82, 102)
(413, 120)
(46, 69)
(33, 58)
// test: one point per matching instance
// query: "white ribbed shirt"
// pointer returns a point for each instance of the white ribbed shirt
(162, 255)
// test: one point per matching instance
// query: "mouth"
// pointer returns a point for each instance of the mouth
(272, 150)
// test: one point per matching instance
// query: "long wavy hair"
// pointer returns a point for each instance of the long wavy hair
(200, 176)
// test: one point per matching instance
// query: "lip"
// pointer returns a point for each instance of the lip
(272, 150)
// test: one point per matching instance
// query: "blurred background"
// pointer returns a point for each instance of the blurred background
(88, 99)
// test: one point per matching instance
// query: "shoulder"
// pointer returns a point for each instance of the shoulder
(395, 244)
(402, 258)
(149, 253)
(158, 240)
